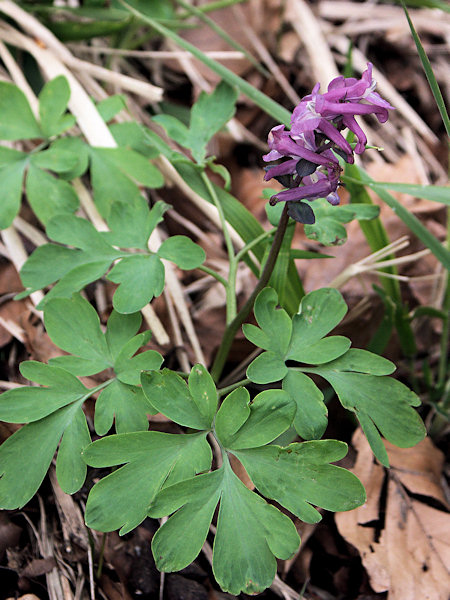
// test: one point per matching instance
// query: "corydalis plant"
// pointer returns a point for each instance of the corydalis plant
(310, 168)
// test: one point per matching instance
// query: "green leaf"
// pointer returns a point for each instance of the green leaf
(311, 417)
(362, 361)
(109, 183)
(208, 115)
(140, 278)
(250, 532)
(55, 159)
(153, 459)
(80, 233)
(323, 351)
(74, 325)
(76, 279)
(132, 164)
(28, 403)
(271, 413)
(182, 251)
(328, 228)
(132, 223)
(26, 456)
(35, 273)
(300, 475)
(49, 196)
(232, 414)
(169, 394)
(320, 311)
(111, 106)
(270, 319)
(175, 129)
(203, 391)
(70, 467)
(75, 147)
(119, 329)
(267, 367)
(11, 175)
(53, 101)
(16, 119)
(124, 403)
(129, 369)
(383, 401)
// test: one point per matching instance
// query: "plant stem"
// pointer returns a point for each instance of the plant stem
(229, 388)
(233, 327)
(230, 289)
(214, 274)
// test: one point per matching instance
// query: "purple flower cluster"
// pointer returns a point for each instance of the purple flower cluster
(310, 168)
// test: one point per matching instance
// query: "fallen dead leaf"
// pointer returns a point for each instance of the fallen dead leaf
(405, 547)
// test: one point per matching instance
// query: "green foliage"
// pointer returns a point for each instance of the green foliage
(209, 114)
(140, 275)
(360, 378)
(170, 475)
(53, 410)
(328, 228)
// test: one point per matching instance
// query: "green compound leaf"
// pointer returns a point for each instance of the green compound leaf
(126, 404)
(209, 114)
(381, 404)
(311, 417)
(16, 118)
(53, 101)
(266, 418)
(140, 278)
(359, 377)
(300, 475)
(170, 395)
(301, 338)
(52, 412)
(250, 532)
(153, 459)
(26, 456)
(328, 228)
(182, 251)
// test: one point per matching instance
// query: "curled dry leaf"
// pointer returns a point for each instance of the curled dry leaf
(405, 550)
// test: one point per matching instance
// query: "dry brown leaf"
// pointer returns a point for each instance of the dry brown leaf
(410, 556)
